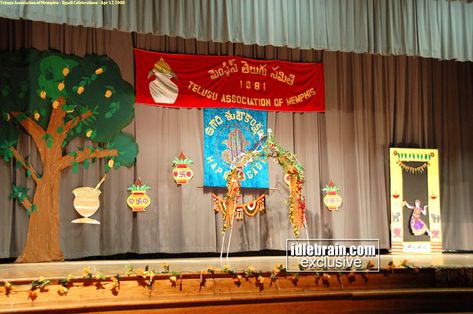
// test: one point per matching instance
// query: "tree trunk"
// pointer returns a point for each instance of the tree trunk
(43, 239)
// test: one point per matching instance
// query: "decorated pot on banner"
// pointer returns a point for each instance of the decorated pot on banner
(138, 199)
(181, 172)
(86, 202)
(332, 199)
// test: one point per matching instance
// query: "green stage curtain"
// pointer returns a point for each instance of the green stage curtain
(373, 103)
(441, 29)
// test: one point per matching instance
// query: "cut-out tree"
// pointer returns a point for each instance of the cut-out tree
(55, 98)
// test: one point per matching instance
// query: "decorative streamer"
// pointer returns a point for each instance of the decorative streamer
(250, 208)
(410, 169)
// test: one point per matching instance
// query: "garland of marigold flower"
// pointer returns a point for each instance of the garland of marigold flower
(290, 165)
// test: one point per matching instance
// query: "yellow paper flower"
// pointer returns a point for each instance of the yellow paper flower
(111, 163)
(108, 93)
(164, 266)
(80, 90)
(115, 282)
(89, 133)
(99, 71)
(86, 272)
(62, 290)
(277, 269)
(37, 116)
(55, 104)
(370, 264)
(42, 94)
(60, 86)
(260, 279)
(65, 71)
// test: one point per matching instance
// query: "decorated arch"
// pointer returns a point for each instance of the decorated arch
(266, 148)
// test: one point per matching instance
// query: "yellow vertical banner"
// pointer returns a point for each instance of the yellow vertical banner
(415, 218)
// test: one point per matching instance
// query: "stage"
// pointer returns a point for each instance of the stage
(405, 283)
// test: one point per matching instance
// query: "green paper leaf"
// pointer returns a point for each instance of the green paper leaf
(19, 193)
(33, 209)
(127, 149)
(75, 166)
(49, 140)
(21, 117)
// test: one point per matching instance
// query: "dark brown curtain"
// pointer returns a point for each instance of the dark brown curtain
(373, 103)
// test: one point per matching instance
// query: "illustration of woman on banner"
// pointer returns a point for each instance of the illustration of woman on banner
(417, 225)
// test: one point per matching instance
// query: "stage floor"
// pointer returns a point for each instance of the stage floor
(424, 283)
(194, 265)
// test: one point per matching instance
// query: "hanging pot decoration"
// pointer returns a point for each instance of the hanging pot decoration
(332, 199)
(138, 199)
(87, 202)
(181, 172)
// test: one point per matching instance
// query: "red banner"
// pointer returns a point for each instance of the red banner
(178, 80)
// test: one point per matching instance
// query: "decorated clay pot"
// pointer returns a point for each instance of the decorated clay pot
(332, 200)
(138, 201)
(182, 173)
(86, 203)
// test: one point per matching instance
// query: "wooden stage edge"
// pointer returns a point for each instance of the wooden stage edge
(433, 283)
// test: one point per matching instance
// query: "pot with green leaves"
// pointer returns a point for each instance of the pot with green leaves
(181, 171)
(332, 199)
(138, 199)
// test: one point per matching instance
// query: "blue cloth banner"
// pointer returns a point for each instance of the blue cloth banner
(228, 132)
